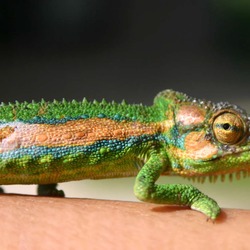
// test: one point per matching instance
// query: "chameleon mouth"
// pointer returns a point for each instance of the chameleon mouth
(233, 170)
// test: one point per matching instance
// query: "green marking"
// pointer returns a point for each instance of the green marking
(104, 150)
(46, 159)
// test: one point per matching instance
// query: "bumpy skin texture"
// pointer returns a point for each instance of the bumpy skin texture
(49, 142)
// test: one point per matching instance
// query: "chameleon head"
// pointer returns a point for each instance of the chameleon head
(204, 138)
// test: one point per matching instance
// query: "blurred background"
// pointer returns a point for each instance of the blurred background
(127, 50)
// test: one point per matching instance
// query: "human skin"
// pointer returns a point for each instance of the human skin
(32, 222)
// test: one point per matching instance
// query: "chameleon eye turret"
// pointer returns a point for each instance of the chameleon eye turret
(229, 128)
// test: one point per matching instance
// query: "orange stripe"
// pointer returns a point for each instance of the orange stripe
(78, 132)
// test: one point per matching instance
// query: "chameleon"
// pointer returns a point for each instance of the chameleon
(46, 143)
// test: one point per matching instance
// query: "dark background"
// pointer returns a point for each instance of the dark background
(124, 49)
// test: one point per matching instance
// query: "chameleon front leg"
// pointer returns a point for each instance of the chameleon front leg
(147, 190)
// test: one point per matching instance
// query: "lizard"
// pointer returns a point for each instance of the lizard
(46, 143)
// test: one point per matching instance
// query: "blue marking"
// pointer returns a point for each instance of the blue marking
(177, 139)
(53, 121)
(101, 115)
(175, 165)
(85, 116)
(117, 117)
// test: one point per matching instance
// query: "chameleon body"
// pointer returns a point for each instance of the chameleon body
(49, 142)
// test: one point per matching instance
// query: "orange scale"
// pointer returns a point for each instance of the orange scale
(41, 138)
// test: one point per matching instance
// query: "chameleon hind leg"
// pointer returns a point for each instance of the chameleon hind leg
(45, 190)
(147, 190)
(49, 190)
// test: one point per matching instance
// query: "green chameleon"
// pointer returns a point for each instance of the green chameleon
(49, 142)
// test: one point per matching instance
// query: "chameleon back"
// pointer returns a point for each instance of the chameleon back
(50, 142)
(62, 141)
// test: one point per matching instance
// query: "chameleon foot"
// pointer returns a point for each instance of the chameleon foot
(207, 206)
(49, 190)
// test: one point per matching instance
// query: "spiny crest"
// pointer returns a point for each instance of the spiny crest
(67, 110)
(170, 96)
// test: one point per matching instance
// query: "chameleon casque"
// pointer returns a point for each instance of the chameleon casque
(50, 142)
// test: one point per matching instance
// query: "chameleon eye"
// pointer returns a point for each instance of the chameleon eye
(229, 128)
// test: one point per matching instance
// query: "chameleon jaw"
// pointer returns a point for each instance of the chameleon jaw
(234, 163)
(220, 176)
